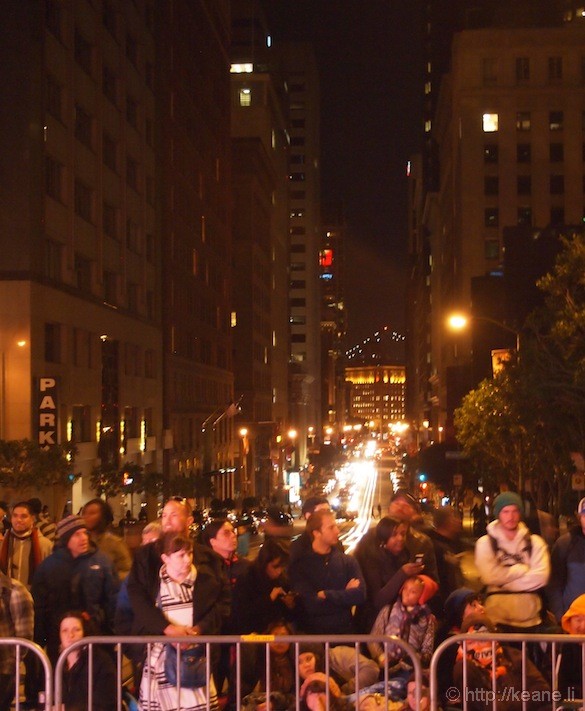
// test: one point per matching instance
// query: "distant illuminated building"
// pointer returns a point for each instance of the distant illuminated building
(376, 394)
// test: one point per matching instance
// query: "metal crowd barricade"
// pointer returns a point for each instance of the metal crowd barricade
(31, 648)
(238, 643)
(466, 696)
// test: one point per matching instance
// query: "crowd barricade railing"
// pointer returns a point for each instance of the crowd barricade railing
(239, 646)
(549, 648)
(20, 645)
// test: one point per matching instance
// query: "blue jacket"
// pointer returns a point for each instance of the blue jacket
(62, 583)
(567, 580)
(313, 572)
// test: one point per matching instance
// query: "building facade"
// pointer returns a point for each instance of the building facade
(376, 395)
(79, 275)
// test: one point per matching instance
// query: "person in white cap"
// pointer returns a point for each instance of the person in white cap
(567, 581)
(514, 565)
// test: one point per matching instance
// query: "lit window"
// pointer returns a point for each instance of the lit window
(246, 68)
(490, 123)
(523, 121)
(245, 97)
(555, 120)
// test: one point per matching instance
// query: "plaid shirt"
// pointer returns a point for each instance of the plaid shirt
(16, 618)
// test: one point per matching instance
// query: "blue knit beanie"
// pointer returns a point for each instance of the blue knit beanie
(507, 498)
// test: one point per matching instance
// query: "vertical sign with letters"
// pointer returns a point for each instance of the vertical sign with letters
(47, 412)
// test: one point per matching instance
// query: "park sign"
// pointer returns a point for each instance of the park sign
(47, 412)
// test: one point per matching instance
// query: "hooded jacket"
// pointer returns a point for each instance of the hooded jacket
(513, 572)
(62, 583)
(567, 580)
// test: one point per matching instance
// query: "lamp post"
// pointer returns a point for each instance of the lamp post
(292, 435)
(459, 322)
(245, 448)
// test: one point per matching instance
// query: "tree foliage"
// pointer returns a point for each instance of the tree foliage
(24, 465)
(525, 422)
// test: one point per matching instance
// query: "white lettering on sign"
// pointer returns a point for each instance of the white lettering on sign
(47, 412)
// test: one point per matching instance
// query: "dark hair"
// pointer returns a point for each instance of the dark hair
(106, 514)
(316, 521)
(24, 505)
(443, 515)
(270, 550)
(310, 504)
(386, 528)
(35, 505)
(172, 542)
(211, 530)
(405, 495)
(88, 625)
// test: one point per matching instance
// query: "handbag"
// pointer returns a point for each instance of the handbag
(193, 666)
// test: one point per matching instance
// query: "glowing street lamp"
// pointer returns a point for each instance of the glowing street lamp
(460, 322)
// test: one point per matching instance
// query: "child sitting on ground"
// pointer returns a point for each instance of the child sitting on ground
(411, 620)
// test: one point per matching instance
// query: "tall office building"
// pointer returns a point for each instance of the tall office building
(304, 226)
(333, 314)
(260, 142)
(376, 395)
(79, 274)
(195, 187)
(510, 132)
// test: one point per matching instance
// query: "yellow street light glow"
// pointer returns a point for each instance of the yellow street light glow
(329, 430)
(243, 431)
(457, 322)
(292, 434)
(21, 344)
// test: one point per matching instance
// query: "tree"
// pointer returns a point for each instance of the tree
(25, 465)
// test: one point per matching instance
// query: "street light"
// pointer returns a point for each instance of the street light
(243, 432)
(459, 322)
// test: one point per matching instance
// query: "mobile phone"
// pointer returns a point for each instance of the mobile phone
(418, 558)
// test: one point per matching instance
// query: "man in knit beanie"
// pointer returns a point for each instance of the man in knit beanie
(514, 565)
(76, 576)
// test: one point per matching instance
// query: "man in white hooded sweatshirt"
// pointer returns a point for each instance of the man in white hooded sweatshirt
(514, 565)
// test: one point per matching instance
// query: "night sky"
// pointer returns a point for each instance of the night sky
(370, 59)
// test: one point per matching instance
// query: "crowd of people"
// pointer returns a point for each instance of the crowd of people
(60, 582)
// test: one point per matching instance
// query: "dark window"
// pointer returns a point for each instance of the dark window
(557, 152)
(298, 248)
(297, 177)
(297, 230)
(557, 184)
(525, 215)
(492, 249)
(54, 178)
(52, 342)
(555, 68)
(297, 159)
(133, 236)
(81, 423)
(298, 320)
(523, 121)
(490, 153)
(524, 184)
(54, 17)
(110, 288)
(522, 69)
(297, 267)
(83, 273)
(83, 126)
(83, 200)
(555, 120)
(54, 98)
(298, 338)
(109, 18)
(298, 301)
(110, 85)
(132, 173)
(524, 153)
(298, 123)
(83, 52)
(109, 152)
(110, 220)
(53, 253)
(131, 48)
(297, 141)
(557, 215)
(298, 284)
(491, 217)
(298, 194)
(132, 111)
(491, 185)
